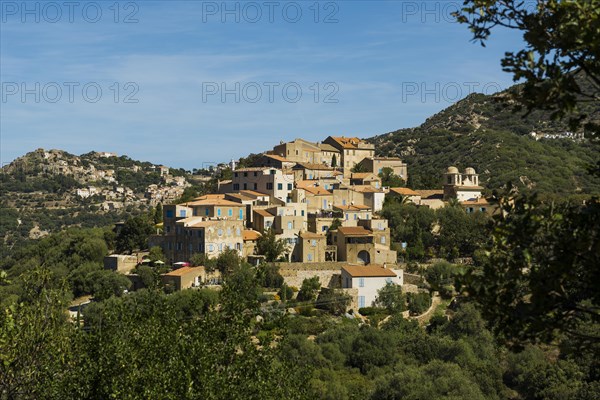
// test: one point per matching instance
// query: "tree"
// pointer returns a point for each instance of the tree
(440, 276)
(357, 168)
(269, 276)
(270, 246)
(336, 223)
(158, 214)
(134, 235)
(334, 301)
(285, 293)
(105, 284)
(334, 161)
(560, 63)
(309, 289)
(539, 280)
(201, 259)
(536, 283)
(156, 254)
(149, 276)
(35, 348)
(436, 380)
(388, 178)
(391, 298)
(228, 261)
(418, 303)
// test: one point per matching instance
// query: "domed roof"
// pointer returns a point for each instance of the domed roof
(452, 170)
(470, 171)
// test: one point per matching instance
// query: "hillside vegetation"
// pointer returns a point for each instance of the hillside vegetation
(532, 152)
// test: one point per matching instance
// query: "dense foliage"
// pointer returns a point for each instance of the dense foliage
(482, 133)
(448, 232)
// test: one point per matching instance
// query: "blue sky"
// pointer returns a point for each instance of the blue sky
(354, 68)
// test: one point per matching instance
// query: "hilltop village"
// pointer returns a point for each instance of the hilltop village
(321, 199)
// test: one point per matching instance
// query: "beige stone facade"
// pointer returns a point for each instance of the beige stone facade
(352, 151)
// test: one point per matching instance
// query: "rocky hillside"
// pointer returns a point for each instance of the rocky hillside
(48, 190)
(533, 152)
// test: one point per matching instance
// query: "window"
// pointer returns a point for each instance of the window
(482, 209)
(236, 186)
(302, 213)
(290, 186)
(269, 186)
(220, 232)
(361, 301)
(355, 217)
(168, 228)
(313, 243)
(280, 186)
(383, 240)
(255, 174)
(191, 247)
(388, 280)
(343, 202)
(361, 282)
(241, 214)
(255, 186)
(230, 212)
(324, 228)
(218, 212)
(309, 257)
(238, 232)
(245, 174)
(289, 225)
(211, 248)
(238, 246)
(169, 213)
(235, 174)
(273, 172)
(201, 247)
(206, 211)
(245, 186)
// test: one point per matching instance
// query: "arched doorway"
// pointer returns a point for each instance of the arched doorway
(364, 257)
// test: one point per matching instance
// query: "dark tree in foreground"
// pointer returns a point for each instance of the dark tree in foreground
(541, 277)
(560, 63)
(134, 235)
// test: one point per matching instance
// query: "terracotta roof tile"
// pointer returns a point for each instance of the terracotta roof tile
(404, 191)
(264, 213)
(249, 234)
(184, 271)
(354, 231)
(311, 235)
